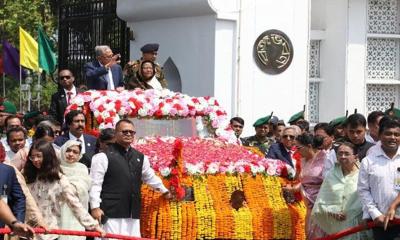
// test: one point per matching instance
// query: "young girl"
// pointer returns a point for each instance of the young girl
(51, 188)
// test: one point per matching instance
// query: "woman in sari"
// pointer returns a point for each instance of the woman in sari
(338, 206)
(310, 176)
(78, 175)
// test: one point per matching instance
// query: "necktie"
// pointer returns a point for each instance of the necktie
(69, 94)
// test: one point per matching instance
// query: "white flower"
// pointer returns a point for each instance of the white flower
(212, 168)
(165, 172)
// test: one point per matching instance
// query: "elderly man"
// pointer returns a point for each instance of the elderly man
(131, 69)
(378, 181)
(104, 73)
(283, 150)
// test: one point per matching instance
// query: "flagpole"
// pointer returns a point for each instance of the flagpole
(4, 85)
(20, 85)
(40, 76)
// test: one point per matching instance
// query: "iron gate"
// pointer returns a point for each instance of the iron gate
(83, 24)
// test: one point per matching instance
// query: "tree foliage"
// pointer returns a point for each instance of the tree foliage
(28, 14)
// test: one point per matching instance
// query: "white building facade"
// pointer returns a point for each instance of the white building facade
(345, 53)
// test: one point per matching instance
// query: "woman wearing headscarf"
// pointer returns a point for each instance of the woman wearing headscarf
(145, 78)
(78, 175)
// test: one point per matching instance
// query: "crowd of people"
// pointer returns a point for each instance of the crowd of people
(56, 176)
(347, 171)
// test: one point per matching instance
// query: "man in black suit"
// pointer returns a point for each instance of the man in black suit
(11, 192)
(75, 121)
(62, 98)
(104, 73)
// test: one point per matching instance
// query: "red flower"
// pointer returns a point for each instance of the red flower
(180, 193)
(161, 104)
(73, 107)
(247, 169)
(101, 108)
(207, 98)
(158, 113)
(284, 171)
(177, 107)
(99, 119)
(216, 103)
(195, 100)
(118, 105)
(174, 180)
(220, 113)
(169, 100)
(112, 113)
(174, 172)
(109, 120)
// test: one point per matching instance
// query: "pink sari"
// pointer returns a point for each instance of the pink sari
(311, 179)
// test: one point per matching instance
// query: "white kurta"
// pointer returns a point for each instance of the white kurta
(124, 226)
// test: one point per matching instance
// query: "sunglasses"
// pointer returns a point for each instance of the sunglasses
(291, 137)
(126, 132)
(64, 77)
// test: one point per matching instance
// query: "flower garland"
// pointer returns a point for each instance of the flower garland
(209, 156)
(176, 171)
(109, 107)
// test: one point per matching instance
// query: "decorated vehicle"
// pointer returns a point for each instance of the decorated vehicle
(222, 190)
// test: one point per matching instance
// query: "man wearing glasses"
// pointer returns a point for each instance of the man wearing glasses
(104, 73)
(283, 150)
(62, 98)
(117, 175)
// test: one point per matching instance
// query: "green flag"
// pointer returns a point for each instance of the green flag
(47, 57)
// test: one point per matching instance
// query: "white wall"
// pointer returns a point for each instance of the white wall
(356, 55)
(333, 60)
(225, 65)
(260, 93)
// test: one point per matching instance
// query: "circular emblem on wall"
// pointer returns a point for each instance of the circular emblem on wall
(273, 51)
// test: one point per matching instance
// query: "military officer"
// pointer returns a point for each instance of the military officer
(260, 139)
(132, 68)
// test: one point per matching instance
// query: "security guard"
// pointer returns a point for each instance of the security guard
(260, 139)
(132, 68)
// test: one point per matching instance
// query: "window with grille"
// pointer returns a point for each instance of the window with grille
(314, 78)
(383, 49)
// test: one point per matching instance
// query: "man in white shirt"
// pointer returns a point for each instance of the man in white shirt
(117, 175)
(379, 173)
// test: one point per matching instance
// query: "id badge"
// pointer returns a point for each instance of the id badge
(397, 180)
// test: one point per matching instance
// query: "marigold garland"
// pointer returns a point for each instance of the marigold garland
(282, 223)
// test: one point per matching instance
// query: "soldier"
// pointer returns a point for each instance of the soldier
(132, 68)
(260, 139)
(296, 117)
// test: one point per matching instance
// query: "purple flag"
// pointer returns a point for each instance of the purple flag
(11, 60)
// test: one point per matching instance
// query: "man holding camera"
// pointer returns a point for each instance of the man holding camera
(104, 73)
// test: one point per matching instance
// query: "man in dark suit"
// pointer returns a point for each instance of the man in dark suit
(283, 150)
(104, 73)
(62, 98)
(11, 192)
(75, 121)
